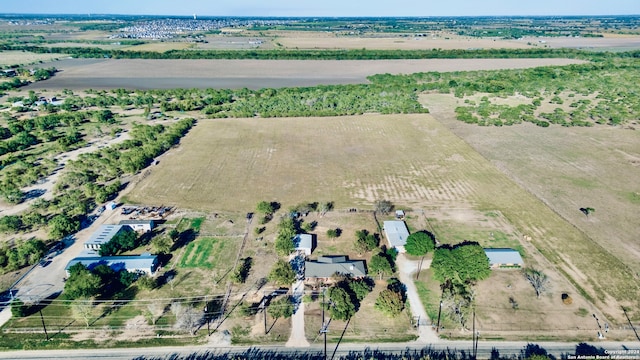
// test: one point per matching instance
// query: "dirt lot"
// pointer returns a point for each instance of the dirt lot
(255, 74)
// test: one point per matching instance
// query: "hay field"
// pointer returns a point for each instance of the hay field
(323, 40)
(412, 160)
(24, 58)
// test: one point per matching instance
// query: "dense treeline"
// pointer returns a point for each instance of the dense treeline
(25, 252)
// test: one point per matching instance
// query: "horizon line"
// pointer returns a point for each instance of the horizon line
(324, 16)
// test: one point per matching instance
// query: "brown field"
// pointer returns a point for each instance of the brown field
(569, 168)
(318, 40)
(159, 46)
(255, 74)
(24, 58)
(411, 160)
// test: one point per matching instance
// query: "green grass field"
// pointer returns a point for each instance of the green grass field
(202, 253)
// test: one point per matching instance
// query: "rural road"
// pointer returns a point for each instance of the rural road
(485, 349)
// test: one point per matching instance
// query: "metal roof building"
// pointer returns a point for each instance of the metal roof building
(146, 263)
(103, 235)
(504, 258)
(396, 233)
(303, 243)
(326, 266)
(139, 225)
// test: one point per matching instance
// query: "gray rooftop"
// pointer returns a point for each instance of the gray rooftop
(104, 234)
(326, 266)
(396, 232)
(303, 241)
(135, 222)
(117, 263)
(503, 256)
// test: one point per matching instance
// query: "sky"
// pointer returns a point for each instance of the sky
(325, 7)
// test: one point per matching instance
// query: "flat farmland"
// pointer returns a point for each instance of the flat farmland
(23, 58)
(570, 168)
(316, 40)
(82, 74)
(412, 160)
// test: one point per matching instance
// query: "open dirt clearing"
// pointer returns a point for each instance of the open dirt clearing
(254, 74)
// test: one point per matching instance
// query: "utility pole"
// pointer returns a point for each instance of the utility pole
(474, 336)
(43, 326)
(264, 311)
(439, 312)
(323, 329)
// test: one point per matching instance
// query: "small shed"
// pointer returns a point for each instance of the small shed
(504, 258)
(304, 243)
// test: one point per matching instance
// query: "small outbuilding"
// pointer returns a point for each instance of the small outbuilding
(396, 233)
(304, 243)
(139, 225)
(504, 258)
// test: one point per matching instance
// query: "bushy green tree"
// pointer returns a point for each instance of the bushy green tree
(419, 243)
(461, 264)
(341, 306)
(365, 241)
(282, 273)
(389, 302)
(281, 308)
(62, 225)
(380, 265)
(81, 283)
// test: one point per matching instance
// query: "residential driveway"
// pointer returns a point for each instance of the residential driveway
(297, 337)
(407, 269)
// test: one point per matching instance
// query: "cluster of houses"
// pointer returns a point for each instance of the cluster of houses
(145, 263)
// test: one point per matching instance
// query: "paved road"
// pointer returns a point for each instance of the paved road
(484, 350)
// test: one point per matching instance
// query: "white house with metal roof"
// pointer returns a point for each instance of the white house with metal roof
(501, 258)
(145, 263)
(396, 233)
(103, 235)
